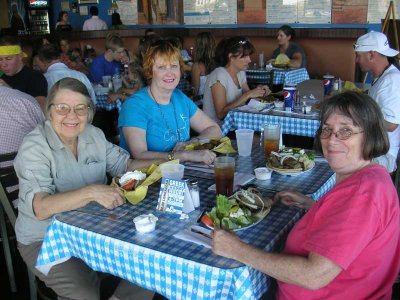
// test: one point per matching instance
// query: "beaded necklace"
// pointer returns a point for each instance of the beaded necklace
(178, 130)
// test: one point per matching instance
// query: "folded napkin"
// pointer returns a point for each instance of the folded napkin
(240, 179)
(200, 167)
(195, 234)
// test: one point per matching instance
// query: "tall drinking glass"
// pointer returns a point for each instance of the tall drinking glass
(224, 172)
(272, 135)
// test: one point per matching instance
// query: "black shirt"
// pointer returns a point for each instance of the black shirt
(28, 81)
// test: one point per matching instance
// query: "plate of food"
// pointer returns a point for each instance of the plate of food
(223, 145)
(281, 61)
(244, 209)
(290, 161)
(266, 99)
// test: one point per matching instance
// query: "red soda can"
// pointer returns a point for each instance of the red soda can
(289, 96)
(328, 83)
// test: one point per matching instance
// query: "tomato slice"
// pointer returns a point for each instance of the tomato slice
(207, 220)
(130, 185)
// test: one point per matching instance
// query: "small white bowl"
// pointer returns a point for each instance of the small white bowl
(145, 223)
(262, 173)
(308, 109)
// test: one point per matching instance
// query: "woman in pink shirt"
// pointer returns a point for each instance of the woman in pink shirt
(347, 245)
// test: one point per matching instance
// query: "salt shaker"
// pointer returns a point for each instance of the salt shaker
(194, 192)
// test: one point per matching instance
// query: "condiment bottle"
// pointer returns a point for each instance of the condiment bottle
(194, 192)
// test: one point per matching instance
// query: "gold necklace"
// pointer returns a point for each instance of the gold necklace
(178, 130)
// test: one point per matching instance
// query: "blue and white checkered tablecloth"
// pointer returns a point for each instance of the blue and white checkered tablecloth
(290, 124)
(280, 76)
(103, 104)
(174, 268)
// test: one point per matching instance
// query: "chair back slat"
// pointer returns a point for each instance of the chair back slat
(8, 179)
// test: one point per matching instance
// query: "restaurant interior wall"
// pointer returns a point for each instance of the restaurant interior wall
(325, 54)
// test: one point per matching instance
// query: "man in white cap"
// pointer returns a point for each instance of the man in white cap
(373, 55)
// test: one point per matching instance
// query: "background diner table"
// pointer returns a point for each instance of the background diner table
(169, 266)
(291, 123)
(276, 76)
(102, 103)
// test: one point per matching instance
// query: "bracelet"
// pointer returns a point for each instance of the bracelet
(171, 156)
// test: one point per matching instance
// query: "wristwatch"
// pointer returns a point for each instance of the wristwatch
(171, 155)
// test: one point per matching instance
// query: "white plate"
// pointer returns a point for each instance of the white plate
(289, 172)
(246, 227)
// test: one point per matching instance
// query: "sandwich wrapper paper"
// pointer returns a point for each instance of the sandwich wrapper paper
(153, 174)
(225, 146)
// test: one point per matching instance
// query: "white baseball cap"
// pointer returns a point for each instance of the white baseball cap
(374, 41)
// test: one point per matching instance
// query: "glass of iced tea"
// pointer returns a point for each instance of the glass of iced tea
(272, 135)
(224, 172)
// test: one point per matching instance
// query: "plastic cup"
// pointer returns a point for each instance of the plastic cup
(261, 62)
(106, 80)
(244, 139)
(272, 136)
(117, 83)
(224, 173)
(173, 171)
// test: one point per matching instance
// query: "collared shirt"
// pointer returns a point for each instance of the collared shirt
(20, 113)
(59, 70)
(45, 164)
(94, 23)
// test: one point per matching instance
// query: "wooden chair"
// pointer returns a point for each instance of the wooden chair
(9, 179)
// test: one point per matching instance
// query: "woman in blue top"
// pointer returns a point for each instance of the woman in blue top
(156, 121)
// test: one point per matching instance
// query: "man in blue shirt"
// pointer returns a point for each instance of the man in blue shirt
(108, 62)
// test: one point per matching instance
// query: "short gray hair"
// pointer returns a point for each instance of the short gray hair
(74, 85)
(365, 113)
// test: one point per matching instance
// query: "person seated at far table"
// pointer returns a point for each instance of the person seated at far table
(347, 246)
(109, 62)
(286, 37)
(203, 62)
(62, 165)
(226, 86)
(50, 64)
(71, 57)
(132, 84)
(16, 74)
(156, 121)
